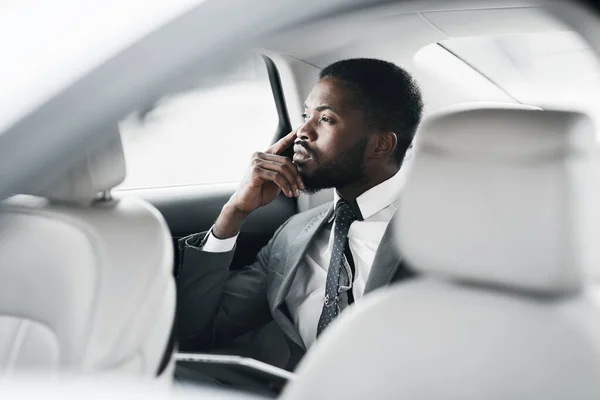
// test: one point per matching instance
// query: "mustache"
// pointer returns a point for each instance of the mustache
(305, 146)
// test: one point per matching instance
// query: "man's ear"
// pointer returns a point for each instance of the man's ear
(383, 144)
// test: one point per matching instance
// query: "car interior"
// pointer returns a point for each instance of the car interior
(498, 213)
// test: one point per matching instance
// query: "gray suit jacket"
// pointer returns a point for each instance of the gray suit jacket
(216, 306)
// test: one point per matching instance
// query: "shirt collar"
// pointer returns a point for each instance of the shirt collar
(378, 197)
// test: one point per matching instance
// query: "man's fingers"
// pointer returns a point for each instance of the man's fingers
(283, 169)
(266, 175)
(283, 143)
(288, 164)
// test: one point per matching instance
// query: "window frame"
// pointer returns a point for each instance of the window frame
(284, 126)
(283, 123)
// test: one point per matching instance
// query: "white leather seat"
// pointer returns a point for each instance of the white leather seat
(500, 217)
(85, 280)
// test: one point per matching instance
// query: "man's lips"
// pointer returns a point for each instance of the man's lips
(300, 158)
(300, 154)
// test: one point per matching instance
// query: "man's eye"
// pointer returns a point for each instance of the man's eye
(325, 119)
(304, 115)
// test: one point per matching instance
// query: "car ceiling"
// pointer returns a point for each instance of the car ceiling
(391, 31)
(400, 32)
(69, 46)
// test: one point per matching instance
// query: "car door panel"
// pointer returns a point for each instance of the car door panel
(192, 209)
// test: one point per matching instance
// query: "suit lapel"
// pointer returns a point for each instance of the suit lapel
(386, 262)
(296, 254)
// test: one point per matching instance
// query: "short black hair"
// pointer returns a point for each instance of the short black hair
(389, 96)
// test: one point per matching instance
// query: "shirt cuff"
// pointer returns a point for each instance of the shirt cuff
(214, 245)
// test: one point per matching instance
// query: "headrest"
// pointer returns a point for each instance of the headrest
(101, 168)
(506, 196)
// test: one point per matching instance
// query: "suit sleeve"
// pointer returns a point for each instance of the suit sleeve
(215, 305)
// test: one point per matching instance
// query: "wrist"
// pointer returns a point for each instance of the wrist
(229, 222)
(232, 211)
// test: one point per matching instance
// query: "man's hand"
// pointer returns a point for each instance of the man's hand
(269, 174)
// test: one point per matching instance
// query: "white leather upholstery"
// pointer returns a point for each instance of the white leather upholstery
(434, 340)
(496, 218)
(85, 287)
(503, 186)
(101, 168)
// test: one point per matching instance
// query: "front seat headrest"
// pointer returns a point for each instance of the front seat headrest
(496, 196)
(100, 169)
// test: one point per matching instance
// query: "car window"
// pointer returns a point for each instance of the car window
(205, 135)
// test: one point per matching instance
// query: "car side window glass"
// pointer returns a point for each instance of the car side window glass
(202, 136)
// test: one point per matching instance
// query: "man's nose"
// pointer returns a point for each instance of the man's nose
(306, 131)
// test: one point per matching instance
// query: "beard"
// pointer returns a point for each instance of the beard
(345, 169)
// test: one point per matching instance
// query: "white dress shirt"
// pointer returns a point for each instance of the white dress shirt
(307, 293)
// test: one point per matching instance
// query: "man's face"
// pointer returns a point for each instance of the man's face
(330, 145)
